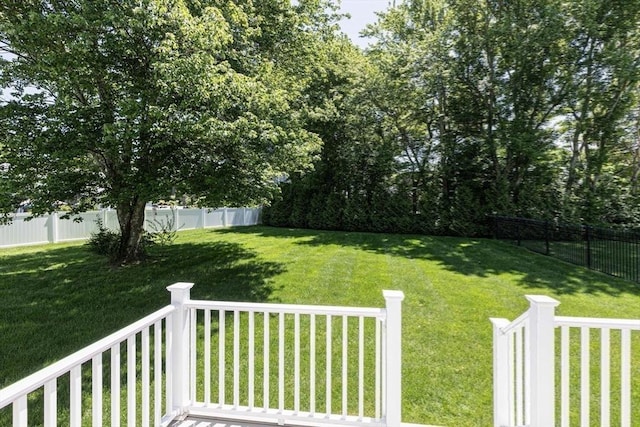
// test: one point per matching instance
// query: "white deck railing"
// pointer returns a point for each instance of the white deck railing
(246, 361)
(154, 335)
(525, 372)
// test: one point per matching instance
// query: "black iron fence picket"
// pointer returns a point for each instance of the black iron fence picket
(610, 251)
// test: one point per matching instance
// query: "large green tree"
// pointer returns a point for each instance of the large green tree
(604, 82)
(489, 88)
(136, 99)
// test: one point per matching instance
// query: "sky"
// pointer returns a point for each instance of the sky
(362, 13)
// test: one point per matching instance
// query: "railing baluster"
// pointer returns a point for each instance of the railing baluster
(236, 359)
(564, 376)
(378, 374)
(512, 377)
(281, 362)
(519, 360)
(296, 363)
(145, 379)
(115, 385)
(51, 403)
(526, 395)
(584, 377)
(312, 364)
(383, 365)
(131, 381)
(193, 354)
(221, 357)
(265, 362)
(360, 367)
(20, 412)
(86, 401)
(345, 364)
(328, 352)
(96, 390)
(145, 404)
(75, 384)
(207, 357)
(605, 368)
(625, 378)
(157, 372)
(168, 375)
(251, 351)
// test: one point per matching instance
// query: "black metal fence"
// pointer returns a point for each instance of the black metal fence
(610, 251)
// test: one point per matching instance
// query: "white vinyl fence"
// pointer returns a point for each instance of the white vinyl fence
(26, 230)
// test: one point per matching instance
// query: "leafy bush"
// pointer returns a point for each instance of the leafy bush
(163, 232)
(107, 242)
(104, 241)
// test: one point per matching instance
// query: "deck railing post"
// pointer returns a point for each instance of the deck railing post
(542, 359)
(180, 346)
(393, 345)
(501, 384)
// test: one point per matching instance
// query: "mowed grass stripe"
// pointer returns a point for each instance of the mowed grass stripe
(59, 298)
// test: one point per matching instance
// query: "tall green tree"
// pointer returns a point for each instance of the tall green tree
(493, 84)
(136, 99)
(605, 71)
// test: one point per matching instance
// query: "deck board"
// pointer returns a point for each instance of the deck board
(214, 422)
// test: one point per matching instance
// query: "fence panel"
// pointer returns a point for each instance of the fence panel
(26, 230)
(189, 219)
(214, 217)
(610, 251)
(158, 219)
(251, 216)
(235, 216)
(70, 229)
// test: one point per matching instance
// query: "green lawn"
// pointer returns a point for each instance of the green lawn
(57, 299)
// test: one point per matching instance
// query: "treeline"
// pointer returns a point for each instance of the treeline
(463, 108)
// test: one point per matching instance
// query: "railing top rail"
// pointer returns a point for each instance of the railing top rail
(41, 377)
(288, 308)
(594, 322)
(517, 323)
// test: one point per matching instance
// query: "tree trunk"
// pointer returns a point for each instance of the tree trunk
(131, 220)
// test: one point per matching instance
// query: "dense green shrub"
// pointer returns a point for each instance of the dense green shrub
(107, 242)
(104, 241)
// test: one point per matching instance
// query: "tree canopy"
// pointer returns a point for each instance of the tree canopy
(136, 100)
(525, 107)
(459, 109)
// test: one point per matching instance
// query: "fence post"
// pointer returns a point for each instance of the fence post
(546, 236)
(204, 217)
(588, 239)
(501, 386)
(635, 264)
(176, 218)
(224, 217)
(180, 346)
(53, 227)
(542, 359)
(393, 345)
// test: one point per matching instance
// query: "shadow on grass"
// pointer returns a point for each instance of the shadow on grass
(471, 257)
(58, 300)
